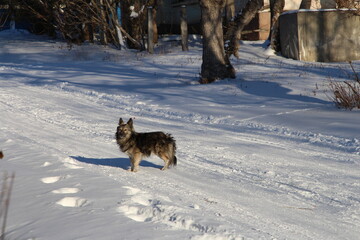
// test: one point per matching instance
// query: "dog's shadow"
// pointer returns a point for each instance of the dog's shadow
(123, 163)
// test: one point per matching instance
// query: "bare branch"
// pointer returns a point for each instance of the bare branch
(78, 20)
(235, 27)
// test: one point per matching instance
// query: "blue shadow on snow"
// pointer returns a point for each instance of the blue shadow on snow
(123, 163)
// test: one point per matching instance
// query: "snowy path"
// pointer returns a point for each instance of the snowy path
(241, 174)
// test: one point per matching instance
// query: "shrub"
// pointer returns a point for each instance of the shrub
(346, 94)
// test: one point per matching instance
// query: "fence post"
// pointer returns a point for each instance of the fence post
(184, 28)
(150, 30)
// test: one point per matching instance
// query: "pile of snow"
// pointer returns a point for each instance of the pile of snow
(264, 156)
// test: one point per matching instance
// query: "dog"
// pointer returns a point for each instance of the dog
(137, 145)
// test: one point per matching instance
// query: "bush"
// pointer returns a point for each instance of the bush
(346, 93)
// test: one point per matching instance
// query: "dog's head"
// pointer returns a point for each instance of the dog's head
(124, 130)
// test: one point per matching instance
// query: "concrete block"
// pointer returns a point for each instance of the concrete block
(320, 35)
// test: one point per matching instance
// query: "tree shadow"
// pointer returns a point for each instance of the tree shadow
(272, 90)
(123, 163)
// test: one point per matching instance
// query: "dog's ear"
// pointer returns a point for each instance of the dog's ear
(130, 122)
(121, 121)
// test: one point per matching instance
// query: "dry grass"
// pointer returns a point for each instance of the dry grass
(346, 94)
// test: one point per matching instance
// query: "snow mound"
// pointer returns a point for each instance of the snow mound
(48, 180)
(72, 202)
(66, 190)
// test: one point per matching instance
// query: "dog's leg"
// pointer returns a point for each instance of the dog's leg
(136, 161)
(132, 164)
(166, 160)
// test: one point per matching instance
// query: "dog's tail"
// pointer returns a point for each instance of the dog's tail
(173, 159)
(174, 162)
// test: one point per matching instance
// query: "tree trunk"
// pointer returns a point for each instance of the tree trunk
(103, 37)
(235, 27)
(276, 8)
(229, 10)
(216, 64)
(305, 4)
(150, 46)
(184, 28)
(133, 19)
(345, 3)
(154, 5)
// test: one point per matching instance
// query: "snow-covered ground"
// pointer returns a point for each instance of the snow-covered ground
(264, 156)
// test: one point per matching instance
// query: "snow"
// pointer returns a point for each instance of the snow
(134, 14)
(264, 156)
(297, 10)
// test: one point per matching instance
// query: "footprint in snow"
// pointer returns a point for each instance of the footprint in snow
(72, 202)
(47, 164)
(71, 163)
(49, 180)
(66, 201)
(66, 190)
(143, 207)
(131, 190)
(138, 196)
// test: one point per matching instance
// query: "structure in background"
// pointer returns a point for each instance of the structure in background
(320, 36)
(169, 18)
(258, 28)
(8, 21)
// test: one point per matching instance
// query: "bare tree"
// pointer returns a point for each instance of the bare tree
(216, 55)
(134, 16)
(305, 4)
(215, 65)
(133, 19)
(154, 4)
(276, 8)
(78, 20)
(229, 10)
(235, 27)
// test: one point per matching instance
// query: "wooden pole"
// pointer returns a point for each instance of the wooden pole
(184, 28)
(150, 30)
(5, 200)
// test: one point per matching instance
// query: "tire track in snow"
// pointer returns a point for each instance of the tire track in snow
(259, 180)
(32, 112)
(221, 123)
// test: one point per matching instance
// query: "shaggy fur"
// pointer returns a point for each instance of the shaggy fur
(137, 145)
